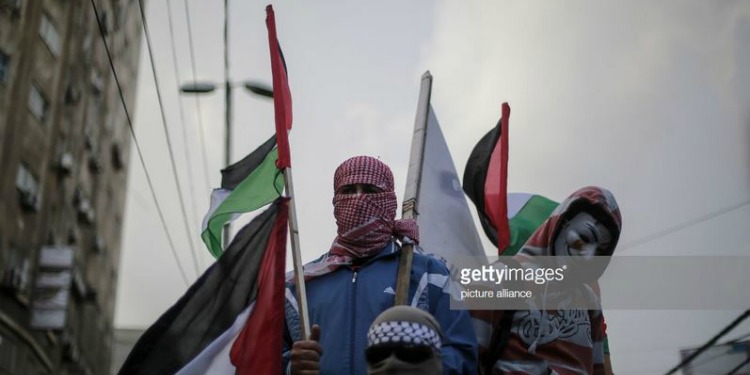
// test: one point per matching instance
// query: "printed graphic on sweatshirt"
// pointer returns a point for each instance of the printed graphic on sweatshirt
(545, 327)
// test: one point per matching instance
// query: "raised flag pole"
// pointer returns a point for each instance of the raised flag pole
(299, 275)
(411, 196)
(282, 102)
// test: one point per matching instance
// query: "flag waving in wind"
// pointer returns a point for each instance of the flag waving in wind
(508, 220)
(195, 335)
(486, 181)
(255, 180)
(231, 320)
(247, 185)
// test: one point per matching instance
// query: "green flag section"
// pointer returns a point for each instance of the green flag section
(526, 212)
(247, 185)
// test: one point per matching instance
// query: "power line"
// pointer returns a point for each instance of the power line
(682, 226)
(169, 142)
(710, 342)
(739, 367)
(137, 146)
(182, 111)
(724, 353)
(197, 100)
(711, 359)
(737, 339)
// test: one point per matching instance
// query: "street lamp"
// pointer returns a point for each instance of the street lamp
(256, 88)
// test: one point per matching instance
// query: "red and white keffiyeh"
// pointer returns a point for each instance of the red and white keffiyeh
(366, 222)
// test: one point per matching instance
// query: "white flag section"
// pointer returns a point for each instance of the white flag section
(433, 190)
(446, 228)
(215, 358)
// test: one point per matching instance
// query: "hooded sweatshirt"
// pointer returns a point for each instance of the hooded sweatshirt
(563, 342)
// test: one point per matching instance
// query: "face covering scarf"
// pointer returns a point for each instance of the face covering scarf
(366, 222)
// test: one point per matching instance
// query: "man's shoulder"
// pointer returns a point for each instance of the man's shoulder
(430, 262)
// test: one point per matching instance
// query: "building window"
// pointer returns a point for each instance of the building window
(37, 103)
(28, 186)
(4, 66)
(49, 34)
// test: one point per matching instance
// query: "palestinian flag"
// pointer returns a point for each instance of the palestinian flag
(486, 181)
(204, 329)
(255, 180)
(247, 185)
(508, 220)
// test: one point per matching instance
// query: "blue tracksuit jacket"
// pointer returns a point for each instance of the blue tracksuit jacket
(346, 301)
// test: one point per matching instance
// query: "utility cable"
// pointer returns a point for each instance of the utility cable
(682, 226)
(739, 367)
(182, 113)
(201, 129)
(169, 142)
(137, 146)
(710, 342)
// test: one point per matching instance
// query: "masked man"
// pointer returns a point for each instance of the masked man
(404, 340)
(561, 341)
(351, 284)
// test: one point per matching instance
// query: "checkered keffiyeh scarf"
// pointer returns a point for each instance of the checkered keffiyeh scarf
(366, 222)
(403, 332)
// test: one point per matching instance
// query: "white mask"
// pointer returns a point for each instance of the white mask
(583, 236)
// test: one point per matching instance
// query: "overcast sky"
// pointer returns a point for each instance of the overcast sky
(650, 100)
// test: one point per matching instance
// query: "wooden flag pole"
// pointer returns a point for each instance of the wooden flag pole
(411, 196)
(282, 103)
(299, 275)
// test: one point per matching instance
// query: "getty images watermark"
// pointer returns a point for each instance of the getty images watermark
(618, 282)
(497, 274)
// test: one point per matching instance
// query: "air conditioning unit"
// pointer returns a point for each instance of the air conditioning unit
(70, 352)
(85, 211)
(30, 201)
(72, 95)
(14, 6)
(73, 237)
(65, 163)
(97, 82)
(99, 244)
(118, 161)
(12, 278)
(90, 216)
(16, 276)
(95, 165)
